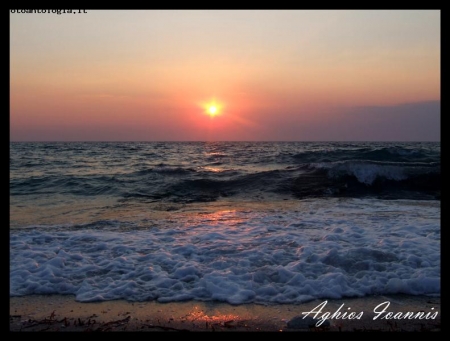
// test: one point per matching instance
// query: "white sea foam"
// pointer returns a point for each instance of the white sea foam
(324, 249)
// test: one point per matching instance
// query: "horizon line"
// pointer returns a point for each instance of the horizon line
(209, 141)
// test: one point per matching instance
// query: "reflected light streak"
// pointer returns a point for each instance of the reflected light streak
(224, 320)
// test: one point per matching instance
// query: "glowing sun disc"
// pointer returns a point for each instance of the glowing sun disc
(212, 110)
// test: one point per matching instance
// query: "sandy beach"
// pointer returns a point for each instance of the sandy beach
(57, 313)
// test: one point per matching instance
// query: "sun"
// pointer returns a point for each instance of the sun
(212, 108)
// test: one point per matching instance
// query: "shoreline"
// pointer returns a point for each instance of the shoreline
(58, 313)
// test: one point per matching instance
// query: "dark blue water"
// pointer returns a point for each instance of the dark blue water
(202, 172)
(238, 222)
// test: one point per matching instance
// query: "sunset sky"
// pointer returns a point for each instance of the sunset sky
(152, 75)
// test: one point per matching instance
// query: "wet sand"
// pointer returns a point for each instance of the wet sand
(56, 313)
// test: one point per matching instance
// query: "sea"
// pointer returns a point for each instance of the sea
(237, 222)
